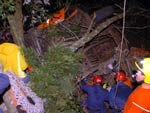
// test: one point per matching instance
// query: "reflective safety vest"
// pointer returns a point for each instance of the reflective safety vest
(12, 59)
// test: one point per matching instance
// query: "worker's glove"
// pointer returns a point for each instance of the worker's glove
(105, 86)
(109, 88)
(20, 109)
(110, 66)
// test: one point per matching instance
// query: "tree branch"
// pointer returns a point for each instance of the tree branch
(87, 37)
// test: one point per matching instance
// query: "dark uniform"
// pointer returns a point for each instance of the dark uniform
(96, 96)
(118, 96)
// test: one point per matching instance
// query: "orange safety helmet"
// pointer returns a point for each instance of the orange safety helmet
(120, 76)
(97, 79)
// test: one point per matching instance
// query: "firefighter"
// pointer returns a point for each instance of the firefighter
(119, 92)
(13, 60)
(139, 100)
(96, 95)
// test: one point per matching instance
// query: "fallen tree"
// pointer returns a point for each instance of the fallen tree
(89, 36)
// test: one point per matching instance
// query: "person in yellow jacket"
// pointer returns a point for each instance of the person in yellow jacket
(13, 60)
(138, 101)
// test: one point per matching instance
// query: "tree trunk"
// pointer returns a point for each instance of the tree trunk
(16, 24)
(89, 36)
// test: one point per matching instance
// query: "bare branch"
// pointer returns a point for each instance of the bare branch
(86, 38)
(145, 27)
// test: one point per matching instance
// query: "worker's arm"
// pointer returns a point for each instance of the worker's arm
(84, 85)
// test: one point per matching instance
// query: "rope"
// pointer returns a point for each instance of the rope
(120, 54)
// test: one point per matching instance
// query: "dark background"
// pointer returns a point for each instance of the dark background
(137, 24)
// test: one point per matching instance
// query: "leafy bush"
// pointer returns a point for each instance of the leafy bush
(52, 79)
(7, 7)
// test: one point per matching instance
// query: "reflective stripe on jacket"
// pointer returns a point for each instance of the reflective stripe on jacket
(138, 101)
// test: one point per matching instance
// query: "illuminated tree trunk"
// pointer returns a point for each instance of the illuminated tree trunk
(16, 24)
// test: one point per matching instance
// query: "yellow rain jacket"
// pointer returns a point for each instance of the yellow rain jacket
(12, 59)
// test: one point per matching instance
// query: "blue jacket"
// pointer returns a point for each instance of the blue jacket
(96, 96)
(118, 95)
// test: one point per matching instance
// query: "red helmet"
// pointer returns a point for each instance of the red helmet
(120, 76)
(98, 79)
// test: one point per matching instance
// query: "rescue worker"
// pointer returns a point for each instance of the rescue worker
(119, 92)
(139, 100)
(96, 95)
(13, 60)
(4, 82)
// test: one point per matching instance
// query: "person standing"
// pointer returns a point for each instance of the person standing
(12, 58)
(139, 100)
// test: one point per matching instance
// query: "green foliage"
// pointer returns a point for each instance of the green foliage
(41, 12)
(6, 7)
(53, 78)
(59, 31)
(30, 57)
(55, 32)
(37, 11)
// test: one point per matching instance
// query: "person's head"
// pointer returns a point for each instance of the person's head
(144, 70)
(97, 79)
(139, 77)
(120, 76)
